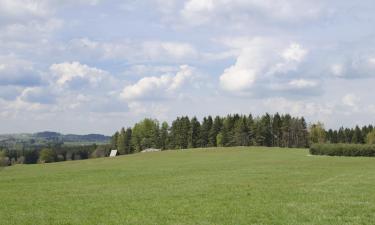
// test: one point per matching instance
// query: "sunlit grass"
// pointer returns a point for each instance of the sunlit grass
(203, 186)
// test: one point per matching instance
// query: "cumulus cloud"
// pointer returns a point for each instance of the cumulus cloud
(338, 70)
(350, 100)
(302, 83)
(30, 30)
(158, 87)
(18, 72)
(76, 73)
(42, 95)
(242, 12)
(358, 66)
(135, 50)
(16, 10)
(261, 59)
(299, 108)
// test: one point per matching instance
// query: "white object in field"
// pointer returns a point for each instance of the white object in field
(113, 153)
(151, 150)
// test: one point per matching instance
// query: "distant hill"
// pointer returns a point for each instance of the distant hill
(85, 138)
(47, 135)
(55, 136)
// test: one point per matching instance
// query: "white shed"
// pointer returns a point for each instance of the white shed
(113, 153)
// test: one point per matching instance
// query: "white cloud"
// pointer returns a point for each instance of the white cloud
(295, 52)
(350, 100)
(245, 11)
(338, 70)
(18, 8)
(354, 66)
(18, 72)
(157, 87)
(30, 30)
(42, 95)
(147, 70)
(66, 73)
(236, 78)
(302, 83)
(261, 58)
(135, 50)
(371, 61)
(298, 108)
(172, 49)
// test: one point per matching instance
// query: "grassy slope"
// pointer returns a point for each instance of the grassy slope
(212, 186)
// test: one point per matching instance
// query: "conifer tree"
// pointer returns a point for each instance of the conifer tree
(194, 133)
(121, 142)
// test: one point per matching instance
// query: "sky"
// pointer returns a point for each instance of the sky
(94, 66)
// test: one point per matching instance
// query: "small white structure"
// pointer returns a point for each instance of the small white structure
(113, 153)
(151, 150)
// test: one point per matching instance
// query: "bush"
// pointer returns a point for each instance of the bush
(47, 156)
(31, 157)
(343, 150)
(370, 138)
(4, 160)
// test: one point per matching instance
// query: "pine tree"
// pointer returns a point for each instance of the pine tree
(357, 137)
(164, 135)
(215, 130)
(265, 131)
(205, 130)
(121, 142)
(241, 132)
(251, 133)
(276, 130)
(114, 140)
(341, 135)
(127, 141)
(194, 133)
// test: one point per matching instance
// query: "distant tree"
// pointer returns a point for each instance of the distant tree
(264, 135)
(145, 134)
(348, 135)
(219, 140)
(205, 131)
(227, 131)
(31, 156)
(251, 131)
(121, 141)
(194, 133)
(215, 130)
(128, 141)
(101, 151)
(317, 133)
(180, 133)
(357, 137)
(276, 130)
(4, 159)
(370, 138)
(47, 155)
(341, 135)
(241, 137)
(114, 140)
(164, 135)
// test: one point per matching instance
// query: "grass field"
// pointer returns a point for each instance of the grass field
(210, 186)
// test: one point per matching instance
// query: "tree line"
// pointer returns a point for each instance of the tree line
(231, 130)
(357, 135)
(221, 131)
(52, 153)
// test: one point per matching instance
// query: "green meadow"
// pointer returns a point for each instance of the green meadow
(242, 185)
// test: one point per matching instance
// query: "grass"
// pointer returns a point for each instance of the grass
(210, 186)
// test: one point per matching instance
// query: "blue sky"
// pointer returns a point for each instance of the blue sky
(92, 66)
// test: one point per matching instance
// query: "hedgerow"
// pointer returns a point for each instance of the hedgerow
(343, 150)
